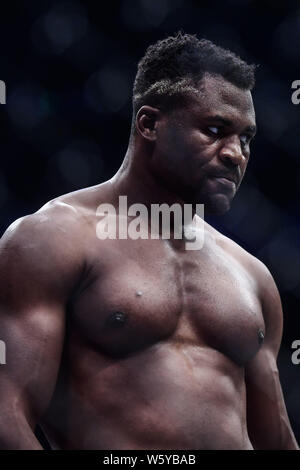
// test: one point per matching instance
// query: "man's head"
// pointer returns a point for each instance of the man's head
(192, 106)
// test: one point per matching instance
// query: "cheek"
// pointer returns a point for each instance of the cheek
(178, 146)
(203, 149)
(243, 171)
(244, 167)
(184, 153)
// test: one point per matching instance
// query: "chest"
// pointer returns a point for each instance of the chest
(141, 295)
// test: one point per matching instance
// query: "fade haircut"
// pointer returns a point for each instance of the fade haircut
(172, 68)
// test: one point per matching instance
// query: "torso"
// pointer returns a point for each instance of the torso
(156, 344)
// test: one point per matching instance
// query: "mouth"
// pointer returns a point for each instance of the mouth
(226, 179)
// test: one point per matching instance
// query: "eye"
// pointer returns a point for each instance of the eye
(213, 130)
(245, 139)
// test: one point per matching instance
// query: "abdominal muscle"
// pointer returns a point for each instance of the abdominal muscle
(172, 395)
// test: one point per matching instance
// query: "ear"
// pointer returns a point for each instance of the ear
(146, 122)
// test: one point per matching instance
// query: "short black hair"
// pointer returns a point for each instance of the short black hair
(172, 67)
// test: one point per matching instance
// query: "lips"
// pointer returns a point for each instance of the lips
(228, 177)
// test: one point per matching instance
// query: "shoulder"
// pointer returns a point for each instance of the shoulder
(62, 218)
(48, 225)
(45, 243)
(254, 267)
(56, 237)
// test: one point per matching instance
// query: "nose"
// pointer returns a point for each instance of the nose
(231, 152)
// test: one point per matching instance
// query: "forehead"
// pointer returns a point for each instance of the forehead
(217, 96)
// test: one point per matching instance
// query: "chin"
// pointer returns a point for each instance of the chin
(217, 205)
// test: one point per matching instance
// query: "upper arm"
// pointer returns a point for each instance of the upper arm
(267, 419)
(38, 268)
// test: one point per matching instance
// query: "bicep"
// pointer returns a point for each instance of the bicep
(33, 340)
(267, 419)
(35, 279)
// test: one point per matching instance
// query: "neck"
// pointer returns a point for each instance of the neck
(136, 179)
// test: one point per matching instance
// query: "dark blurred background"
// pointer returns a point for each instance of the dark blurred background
(69, 69)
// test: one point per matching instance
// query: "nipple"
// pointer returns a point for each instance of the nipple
(116, 319)
(261, 336)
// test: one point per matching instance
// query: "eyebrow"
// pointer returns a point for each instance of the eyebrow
(228, 122)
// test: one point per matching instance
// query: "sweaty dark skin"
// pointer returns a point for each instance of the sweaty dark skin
(142, 344)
